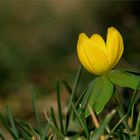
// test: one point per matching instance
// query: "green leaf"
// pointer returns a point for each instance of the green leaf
(100, 95)
(124, 78)
(86, 94)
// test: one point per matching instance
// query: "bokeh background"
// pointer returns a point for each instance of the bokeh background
(38, 44)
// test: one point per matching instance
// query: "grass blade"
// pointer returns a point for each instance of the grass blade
(124, 121)
(53, 118)
(2, 135)
(6, 125)
(82, 122)
(67, 87)
(117, 124)
(37, 116)
(133, 99)
(138, 126)
(45, 134)
(57, 131)
(132, 116)
(24, 128)
(12, 122)
(75, 85)
(59, 107)
(35, 135)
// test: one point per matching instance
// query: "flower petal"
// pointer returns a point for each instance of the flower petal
(92, 57)
(82, 37)
(114, 46)
(98, 41)
(84, 59)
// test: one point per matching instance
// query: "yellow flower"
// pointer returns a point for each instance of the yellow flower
(97, 56)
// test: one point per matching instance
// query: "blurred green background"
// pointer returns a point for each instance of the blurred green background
(38, 41)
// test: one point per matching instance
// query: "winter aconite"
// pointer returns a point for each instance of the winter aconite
(98, 56)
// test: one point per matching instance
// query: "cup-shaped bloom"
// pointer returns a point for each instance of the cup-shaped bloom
(98, 56)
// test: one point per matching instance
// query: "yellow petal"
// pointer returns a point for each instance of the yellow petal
(99, 42)
(92, 57)
(82, 54)
(84, 59)
(114, 46)
(82, 37)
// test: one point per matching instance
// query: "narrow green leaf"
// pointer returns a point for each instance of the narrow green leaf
(45, 133)
(117, 124)
(132, 102)
(36, 135)
(99, 131)
(2, 135)
(67, 120)
(12, 122)
(124, 137)
(72, 96)
(79, 117)
(67, 87)
(6, 125)
(59, 107)
(75, 85)
(57, 131)
(124, 121)
(100, 95)
(132, 116)
(124, 78)
(83, 99)
(53, 117)
(36, 113)
(24, 128)
(75, 138)
(138, 126)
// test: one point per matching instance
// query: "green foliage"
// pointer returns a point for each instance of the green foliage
(101, 92)
(96, 95)
(124, 78)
